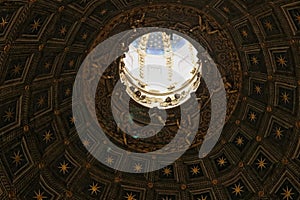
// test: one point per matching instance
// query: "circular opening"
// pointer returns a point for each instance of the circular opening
(161, 69)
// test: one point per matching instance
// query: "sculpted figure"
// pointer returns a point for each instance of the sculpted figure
(204, 26)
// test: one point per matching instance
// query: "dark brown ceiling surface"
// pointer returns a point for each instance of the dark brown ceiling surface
(256, 45)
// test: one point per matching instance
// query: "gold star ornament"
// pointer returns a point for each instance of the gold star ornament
(130, 196)
(244, 33)
(239, 141)
(72, 120)
(35, 25)
(9, 115)
(202, 198)
(195, 170)
(3, 22)
(226, 9)
(94, 188)
(138, 167)
(285, 97)
(64, 167)
(167, 171)
(86, 142)
(282, 61)
(84, 36)
(16, 70)
(237, 189)
(254, 60)
(261, 163)
(68, 92)
(298, 18)
(71, 63)
(109, 160)
(17, 158)
(252, 116)
(222, 161)
(287, 193)
(278, 133)
(47, 65)
(63, 30)
(39, 195)
(47, 136)
(269, 26)
(257, 89)
(41, 101)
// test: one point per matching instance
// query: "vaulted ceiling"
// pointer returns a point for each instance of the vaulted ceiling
(256, 45)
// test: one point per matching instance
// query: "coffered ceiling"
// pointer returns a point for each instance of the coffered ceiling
(256, 45)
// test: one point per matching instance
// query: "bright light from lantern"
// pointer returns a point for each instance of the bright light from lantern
(160, 70)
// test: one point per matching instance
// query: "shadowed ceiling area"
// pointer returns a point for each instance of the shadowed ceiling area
(256, 46)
